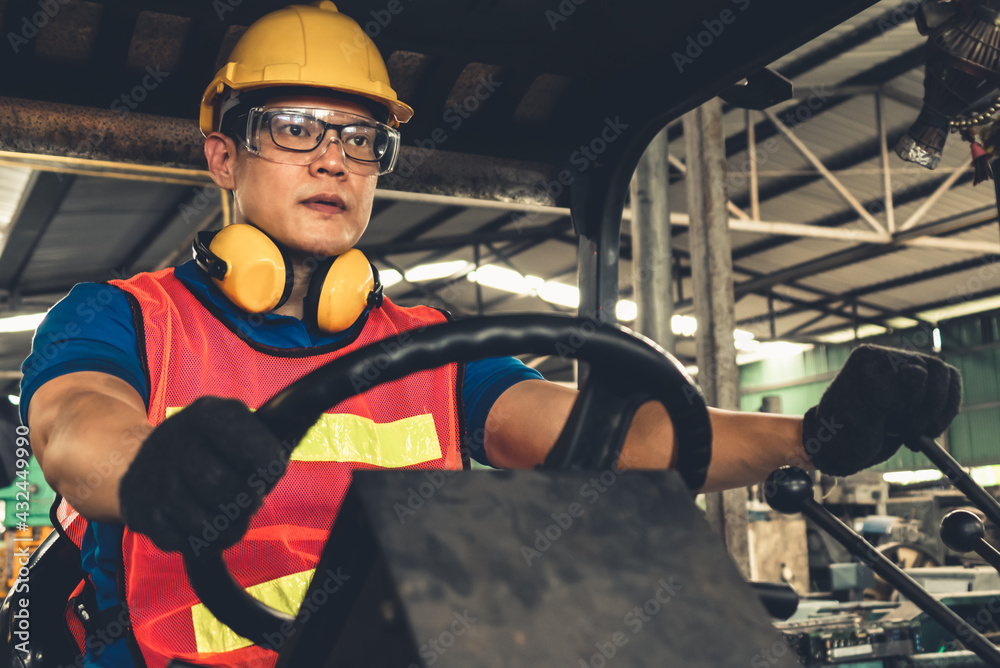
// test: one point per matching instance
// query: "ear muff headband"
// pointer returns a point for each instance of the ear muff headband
(248, 267)
(340, 290)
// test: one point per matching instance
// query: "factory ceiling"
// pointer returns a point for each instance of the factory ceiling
(102, 175)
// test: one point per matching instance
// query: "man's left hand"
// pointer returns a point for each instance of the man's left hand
(881, 397)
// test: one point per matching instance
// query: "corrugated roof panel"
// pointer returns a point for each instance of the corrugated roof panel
(952, 288)
(801, 250)
(848, 26)
(100, 223)
(896, 39)
(896, 264)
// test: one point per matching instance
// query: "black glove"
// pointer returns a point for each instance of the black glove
(195, 481)
(880, 397)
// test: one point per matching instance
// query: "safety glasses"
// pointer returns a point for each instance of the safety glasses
(299, 135)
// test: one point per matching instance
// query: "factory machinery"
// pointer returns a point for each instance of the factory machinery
(937, 613)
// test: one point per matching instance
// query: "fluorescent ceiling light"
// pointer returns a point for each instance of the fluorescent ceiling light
(14, 399)
(961, 308)
(389, 277)
(429, 272)
(502, 278)
(844, 335)
(765, 350)
(901, 323)
(683, 325)
(911, 477)
(987, 476)
(560, 293)
(20, 323)
(626, 310)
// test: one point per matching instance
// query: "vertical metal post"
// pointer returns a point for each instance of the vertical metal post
(479, 286)
(752, 152)
(712, 286)
(890, 215)
(651, 253)
(679, 278)
(770, 315)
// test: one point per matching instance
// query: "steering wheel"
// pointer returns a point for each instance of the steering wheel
(626, 371)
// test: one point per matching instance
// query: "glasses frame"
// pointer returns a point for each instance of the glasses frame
(255, 122)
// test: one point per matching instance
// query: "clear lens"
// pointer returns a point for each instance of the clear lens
(300, 136)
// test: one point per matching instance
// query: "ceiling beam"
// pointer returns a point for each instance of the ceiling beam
(845, 216)
(62, 137)
(860, 253)
(432, 222)
(813, 159)
(884, 286)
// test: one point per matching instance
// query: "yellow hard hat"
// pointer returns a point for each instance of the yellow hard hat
(304, 45)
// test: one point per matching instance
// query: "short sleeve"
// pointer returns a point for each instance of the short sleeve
(484, 382)
(91, 329)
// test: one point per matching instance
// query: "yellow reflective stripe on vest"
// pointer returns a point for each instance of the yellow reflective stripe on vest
(284, 593)
(343, 437)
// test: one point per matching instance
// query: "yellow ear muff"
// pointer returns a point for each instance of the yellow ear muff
(340, 290)
(258, 276)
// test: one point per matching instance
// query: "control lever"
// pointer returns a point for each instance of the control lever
(790, 490)
(962, 531)
(952, 470)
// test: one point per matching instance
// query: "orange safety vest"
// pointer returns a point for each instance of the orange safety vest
(414, 422)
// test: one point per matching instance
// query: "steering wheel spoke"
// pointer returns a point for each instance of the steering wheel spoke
(594, 434)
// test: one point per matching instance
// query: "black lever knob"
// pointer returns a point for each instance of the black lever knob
(787, 489)
(961, 530)
(790, 490)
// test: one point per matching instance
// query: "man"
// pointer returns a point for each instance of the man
(299, 125)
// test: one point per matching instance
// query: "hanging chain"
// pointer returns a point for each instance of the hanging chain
(979, 119)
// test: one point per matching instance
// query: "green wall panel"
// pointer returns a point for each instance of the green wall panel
(980, 382)
(974, 437)
(794, 400)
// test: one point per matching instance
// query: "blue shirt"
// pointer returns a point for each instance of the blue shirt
(92, 329)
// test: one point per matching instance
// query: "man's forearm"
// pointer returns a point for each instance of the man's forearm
(746, 447)
(84, 441)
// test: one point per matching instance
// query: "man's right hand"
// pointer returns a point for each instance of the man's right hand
(191, 466)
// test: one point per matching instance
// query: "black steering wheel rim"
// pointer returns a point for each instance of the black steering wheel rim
(626, 371)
